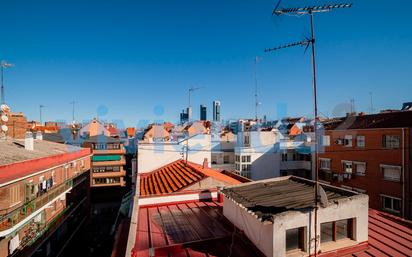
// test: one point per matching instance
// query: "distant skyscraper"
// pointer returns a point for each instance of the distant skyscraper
(184, 117)
(203, 112)
(216, 110)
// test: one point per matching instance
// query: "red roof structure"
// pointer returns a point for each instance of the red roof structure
(189, 229)
(388, 236)
(177, 175)
(198, 228)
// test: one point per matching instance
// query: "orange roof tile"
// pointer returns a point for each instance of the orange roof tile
(176, 176)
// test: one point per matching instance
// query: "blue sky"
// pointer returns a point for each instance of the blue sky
(134, 60)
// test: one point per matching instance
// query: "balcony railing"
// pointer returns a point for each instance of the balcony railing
(9, 220)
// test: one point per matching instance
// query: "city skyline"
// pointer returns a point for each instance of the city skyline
(150, 64)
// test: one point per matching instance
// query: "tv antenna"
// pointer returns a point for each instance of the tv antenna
(73, 104)
(300, 11)
(41, 109)
(3, 64)
(257, 103)
(371, 102)
(189, 110)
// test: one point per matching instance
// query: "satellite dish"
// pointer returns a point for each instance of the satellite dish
(5, 108)
(4, 118)
(323, 197)
(4, 128)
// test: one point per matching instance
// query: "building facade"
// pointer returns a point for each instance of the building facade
(216, 111)
(371, 154)
(203, 112)
(44, 196)
(108, 160)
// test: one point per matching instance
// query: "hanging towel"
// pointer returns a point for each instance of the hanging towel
(14, 243)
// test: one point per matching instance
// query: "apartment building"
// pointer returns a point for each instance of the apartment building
(108, 160)
(371, 154)
(269, 152)
(44, 195)
(223, 150)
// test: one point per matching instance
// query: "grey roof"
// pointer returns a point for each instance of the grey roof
(12, 150)
(274, 196)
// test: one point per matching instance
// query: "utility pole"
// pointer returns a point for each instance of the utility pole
(299, 11)
(41, 108)
(3, 65)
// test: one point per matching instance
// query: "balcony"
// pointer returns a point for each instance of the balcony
(109, 174)
(32, 207)
(111, 151)
(295, 165)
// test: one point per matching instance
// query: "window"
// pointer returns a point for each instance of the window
(391, 172)
(246, 158)
(295, 239)
(246, 140)
(246, 167)
(360, 141)
(226, 159)
(348, 141)
(390, 141)
(326, 140)
(360, 168)
(336, 230)
(347, 166)
(237, 158)
(14, 195)
(324, 164)
(237, 167)
(284, 157)
(391, 204)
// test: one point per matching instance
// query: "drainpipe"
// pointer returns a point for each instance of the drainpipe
(403, 173)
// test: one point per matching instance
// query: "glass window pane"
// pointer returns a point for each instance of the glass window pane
(326, 232)
(341, 229)
(387, 203)
(397, 205)
(292, 239)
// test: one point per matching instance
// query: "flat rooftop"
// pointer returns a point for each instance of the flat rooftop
(12, 150)
(269, 197)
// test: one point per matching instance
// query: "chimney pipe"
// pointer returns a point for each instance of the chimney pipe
(205, 163)
(29, 141)
(39, 135)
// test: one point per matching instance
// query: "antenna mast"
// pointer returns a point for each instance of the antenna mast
(73, 103)
(189, 110)
(299, 11)
(371, 103)
(256, 87)
(40, 108)
(3, 65)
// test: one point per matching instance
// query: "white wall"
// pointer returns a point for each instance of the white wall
(270, 237)
(265, 160)
(155, 155)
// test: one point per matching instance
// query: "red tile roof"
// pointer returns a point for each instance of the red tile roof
(175, 176)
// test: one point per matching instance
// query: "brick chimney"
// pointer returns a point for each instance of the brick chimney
(205, 163)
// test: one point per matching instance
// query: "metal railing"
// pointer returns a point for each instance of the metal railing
(12, 218)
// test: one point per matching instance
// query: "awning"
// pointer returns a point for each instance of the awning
(104, 158)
